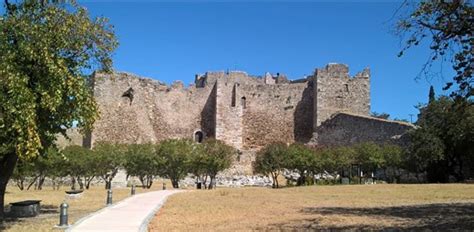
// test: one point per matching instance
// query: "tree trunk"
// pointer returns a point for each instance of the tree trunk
(32, 182)
(175, 183)
(73, 183)
(20, 182)
(7, 165)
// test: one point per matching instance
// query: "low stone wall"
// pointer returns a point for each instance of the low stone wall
(345, 129)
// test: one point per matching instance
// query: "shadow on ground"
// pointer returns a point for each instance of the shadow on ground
(46, 211)
(439, 217)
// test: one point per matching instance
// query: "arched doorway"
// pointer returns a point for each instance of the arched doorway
(198, 136)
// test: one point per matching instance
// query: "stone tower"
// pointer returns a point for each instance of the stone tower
(336, 91)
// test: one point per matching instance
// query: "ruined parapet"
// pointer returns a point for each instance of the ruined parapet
(268, 79)
(344, 129)
(336, 91)
(151, 112)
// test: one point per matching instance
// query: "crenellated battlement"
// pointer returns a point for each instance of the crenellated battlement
(244, 111)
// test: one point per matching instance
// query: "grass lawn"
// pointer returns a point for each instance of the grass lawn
(346, 207)
(91, 201)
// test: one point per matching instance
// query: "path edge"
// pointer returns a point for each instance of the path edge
(146, 221)
(82, 219)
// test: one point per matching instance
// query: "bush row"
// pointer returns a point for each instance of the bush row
(307, 162)
(172, 159)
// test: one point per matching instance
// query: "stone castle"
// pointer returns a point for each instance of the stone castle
(327, 108)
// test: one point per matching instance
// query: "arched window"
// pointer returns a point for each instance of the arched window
(198, 136)
(243, 102)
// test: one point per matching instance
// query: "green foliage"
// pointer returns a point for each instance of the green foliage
(334, 160)
(443, 143)
(380, 115)
(304, 161)
(431, 95)
(81, 165)
(142, 161)
(218, 157)
(51, 164)
(271, 160)
(369, 156)
(45, 49)
(448, 27)
(176, 154)
(108, 159)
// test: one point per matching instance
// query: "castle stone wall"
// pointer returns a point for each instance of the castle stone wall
(337, 92)
(345, 129)
(277, 112)
(157, 111)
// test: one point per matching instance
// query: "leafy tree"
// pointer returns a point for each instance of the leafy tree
(198, 164)
(22, 171)
(448, 26)
(369, 156)
(175, 155)
(393, 160)
(442, 145)
(81, 165)
(108, 158)
(380, 115)
(271, 160)
(303, 160)
(46, 50)
(337, 159)
(219, 157)
(431, 96)
(142, 161)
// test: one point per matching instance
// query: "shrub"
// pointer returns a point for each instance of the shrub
(142, 161)
(271, 160)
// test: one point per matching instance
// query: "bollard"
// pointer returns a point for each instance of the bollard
(63, 215)
(164, 186)
(109, 196)
(133, 189)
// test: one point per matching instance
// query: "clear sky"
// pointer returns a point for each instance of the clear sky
(175, 40)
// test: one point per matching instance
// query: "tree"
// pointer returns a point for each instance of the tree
(108, 158)
(175, 155)
(198, 165)
(369, 156)
(431, 96)
(219, 157)
(22, 171)
(443, 142)
(303, 160)
(81, 165)
(271, 160)
(449, 27)
(142, 161)
(380, 115)
(47, 48)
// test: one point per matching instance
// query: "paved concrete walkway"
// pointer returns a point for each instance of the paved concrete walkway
(131, 214)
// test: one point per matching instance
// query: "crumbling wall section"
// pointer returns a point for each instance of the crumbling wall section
(336, 91)
(154, 113)
(344, 129)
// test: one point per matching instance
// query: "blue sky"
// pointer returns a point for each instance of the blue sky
(175, 40)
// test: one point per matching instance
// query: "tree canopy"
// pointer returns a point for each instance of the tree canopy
(448, 27)
(47, 50)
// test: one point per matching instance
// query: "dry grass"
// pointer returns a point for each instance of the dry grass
(366, 207)
(91, 201)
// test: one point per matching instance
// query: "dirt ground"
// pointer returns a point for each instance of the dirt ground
(345, 207)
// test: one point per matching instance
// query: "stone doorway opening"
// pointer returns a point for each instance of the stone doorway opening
(198, 136)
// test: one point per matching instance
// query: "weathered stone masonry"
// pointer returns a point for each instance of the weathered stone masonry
(244, 111)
